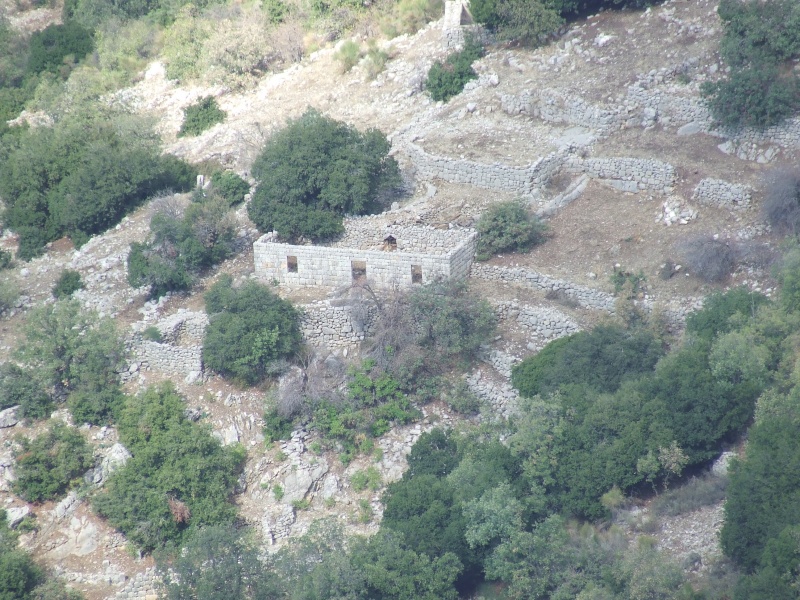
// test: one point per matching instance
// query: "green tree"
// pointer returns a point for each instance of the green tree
(48, 465)
(179, 479)
(216, 563)
(71, 349)
(19, 387)
(50, 46)
(315, 170)
(202, 115)
(250, 328)
(508, 227)
(601, 358)
(68, 282)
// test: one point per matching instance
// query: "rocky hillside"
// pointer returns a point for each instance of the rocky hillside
(602, 132)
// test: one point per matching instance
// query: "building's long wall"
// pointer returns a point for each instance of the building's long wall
(326, 266)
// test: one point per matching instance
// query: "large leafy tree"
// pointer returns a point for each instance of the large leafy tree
(314, 171)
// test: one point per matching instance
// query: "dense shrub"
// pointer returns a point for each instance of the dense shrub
(50, 46)
(753, 97)
(447, 79)
(508, 227)
(230, 186)
(422, 332)
(600, 358)
(18, 387)
(74, 353)
(723, 312)
(314, 171)
(6, 259)
(179, 479)
(202, 115)
(710, 259)
(759, 38)
(47, 466)
(250, 329)
(9, 294)
(216, 563)
(68, 282)
(781, 205)
(184, 243)
(75, 179)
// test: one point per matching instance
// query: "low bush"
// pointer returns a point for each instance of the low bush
(694, 494)
(202, 115)
(508, 227)
(47, 466)
(184, 243)
(448, 79)
(409, 16)
(6, 259)
(348, 55)
(376, 60)
(179, 479)
(250, 329)
(9, 294)
(152, 334)
(68, 283)
(722, 312)
(366, 478)
(781, 206)
(622, 279)
(710, 259)
(230, 186)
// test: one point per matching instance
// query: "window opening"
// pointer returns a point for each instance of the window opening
(416, 273)
(359, 269)
(291, 264)
(390, 243)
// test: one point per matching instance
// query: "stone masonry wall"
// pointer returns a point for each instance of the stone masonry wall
(520, 180)
(145, 586)
(583, 296)
(337, 324)
(368, 233)
(180, 350)
(627, 174)
(329, 266)
(717, 192)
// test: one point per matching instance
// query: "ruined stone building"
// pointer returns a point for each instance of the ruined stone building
(385, 255)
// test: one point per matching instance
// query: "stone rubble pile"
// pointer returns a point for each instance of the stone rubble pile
(674, 210)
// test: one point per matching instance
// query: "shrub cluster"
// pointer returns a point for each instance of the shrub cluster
(781, 205)
(179, 479)
(447, 79)
(251, 330)
(68, 282)
(508, 227)
(759, 40)
(47, 466)
(316, 170)
(78, 178)
(72, 354)
(615, 417)
(184, 242)
(202, 115)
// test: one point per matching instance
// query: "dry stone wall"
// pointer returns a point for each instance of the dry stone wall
(335, 324)
(520, 180)
(583, 296)
(145, 586)
(180, 350)
(627, 174)
(368, 233)
(724, 194)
